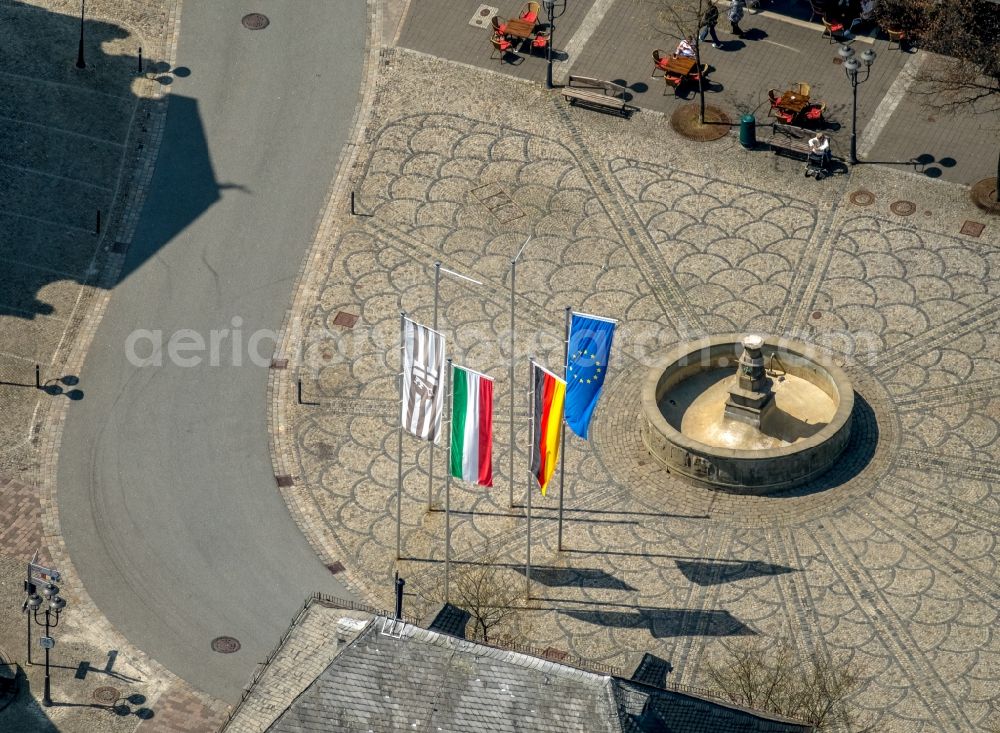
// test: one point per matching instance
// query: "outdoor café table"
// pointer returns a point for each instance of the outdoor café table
(517, 28)
(681, 66)
(793, 102)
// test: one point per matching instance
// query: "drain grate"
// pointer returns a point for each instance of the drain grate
(553, 653)
(106, 695)
(225, 644)
(279, 363)
(862, 198)
(902, 208)
(284, 480)
(337, 567)
(255, 21)
(498, 201)
(972, 228)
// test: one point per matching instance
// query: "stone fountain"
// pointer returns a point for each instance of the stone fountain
(780, 419)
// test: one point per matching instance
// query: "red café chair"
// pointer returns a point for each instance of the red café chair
(673, 81)
(539, 42)
(660, 61)
(814, 113)
(698, 74)
(785, 116)
(529, 12)
(498, 27)
(834, 29)
(501, 45)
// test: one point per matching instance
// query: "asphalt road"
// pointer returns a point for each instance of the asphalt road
(167, 496)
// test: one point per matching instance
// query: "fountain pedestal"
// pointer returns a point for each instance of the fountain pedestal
(750, 398)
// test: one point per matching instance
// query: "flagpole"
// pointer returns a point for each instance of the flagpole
(513, 294)
(430, 462)
(450, 389)
(510, 473)
(562, 447)
(399, 443)
(531, 447)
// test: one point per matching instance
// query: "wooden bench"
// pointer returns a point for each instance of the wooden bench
(790, 140)
(584, 90)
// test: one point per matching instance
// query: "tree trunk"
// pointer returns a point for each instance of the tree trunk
(701, 80)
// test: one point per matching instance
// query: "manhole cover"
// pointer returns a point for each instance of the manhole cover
(483, 15)
(817, 315)
(972, 228)
(837, 60)
(225, 645)
(106, 695)
(255, 21)
(347, 320)
(863, 198)
(902, 208)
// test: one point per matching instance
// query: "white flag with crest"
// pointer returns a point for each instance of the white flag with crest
(423, 380)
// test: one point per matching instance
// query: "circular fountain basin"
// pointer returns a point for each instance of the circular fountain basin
(685, 427)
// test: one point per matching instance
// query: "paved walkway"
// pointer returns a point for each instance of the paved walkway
(887, 564)
(614, 39)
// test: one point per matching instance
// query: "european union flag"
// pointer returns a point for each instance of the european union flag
(589, 349)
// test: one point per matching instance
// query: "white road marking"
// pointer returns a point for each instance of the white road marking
(37, 172)
(61, 131)
(891, 100)
(782, 45)
(572, 49)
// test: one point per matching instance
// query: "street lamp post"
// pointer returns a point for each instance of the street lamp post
(55, 606)
(851, 68)
(80, 63)
(550, 12)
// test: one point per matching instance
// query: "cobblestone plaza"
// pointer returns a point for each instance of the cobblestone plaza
(888, 563)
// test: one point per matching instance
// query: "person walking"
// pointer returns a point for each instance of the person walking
(736, 15)
(708, 25)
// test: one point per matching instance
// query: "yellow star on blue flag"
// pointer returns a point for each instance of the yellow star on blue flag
(589, 350)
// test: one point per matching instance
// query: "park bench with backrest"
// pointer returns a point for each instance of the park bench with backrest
(597, 93)
(790, 140)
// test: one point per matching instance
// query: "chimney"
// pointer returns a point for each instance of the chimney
(399, 597)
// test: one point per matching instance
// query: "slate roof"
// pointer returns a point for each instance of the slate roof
(425, 680)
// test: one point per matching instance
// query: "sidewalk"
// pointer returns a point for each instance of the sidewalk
(777, 51)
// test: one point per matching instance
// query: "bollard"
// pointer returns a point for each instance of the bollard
(748, 131)
(140, 59)
(97, 226)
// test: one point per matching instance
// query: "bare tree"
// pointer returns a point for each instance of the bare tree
(767, 675)
(488, 590)
(682, 19)
(964, 35)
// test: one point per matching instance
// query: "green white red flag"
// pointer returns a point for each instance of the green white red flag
(472, 427)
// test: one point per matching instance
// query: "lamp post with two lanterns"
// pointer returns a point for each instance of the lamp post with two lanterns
(852, 68)
(54, 606)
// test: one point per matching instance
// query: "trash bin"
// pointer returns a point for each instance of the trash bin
(748, 131)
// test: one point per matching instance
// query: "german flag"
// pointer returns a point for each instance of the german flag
(550, 394)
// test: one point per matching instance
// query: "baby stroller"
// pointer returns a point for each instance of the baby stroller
(818, 165)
